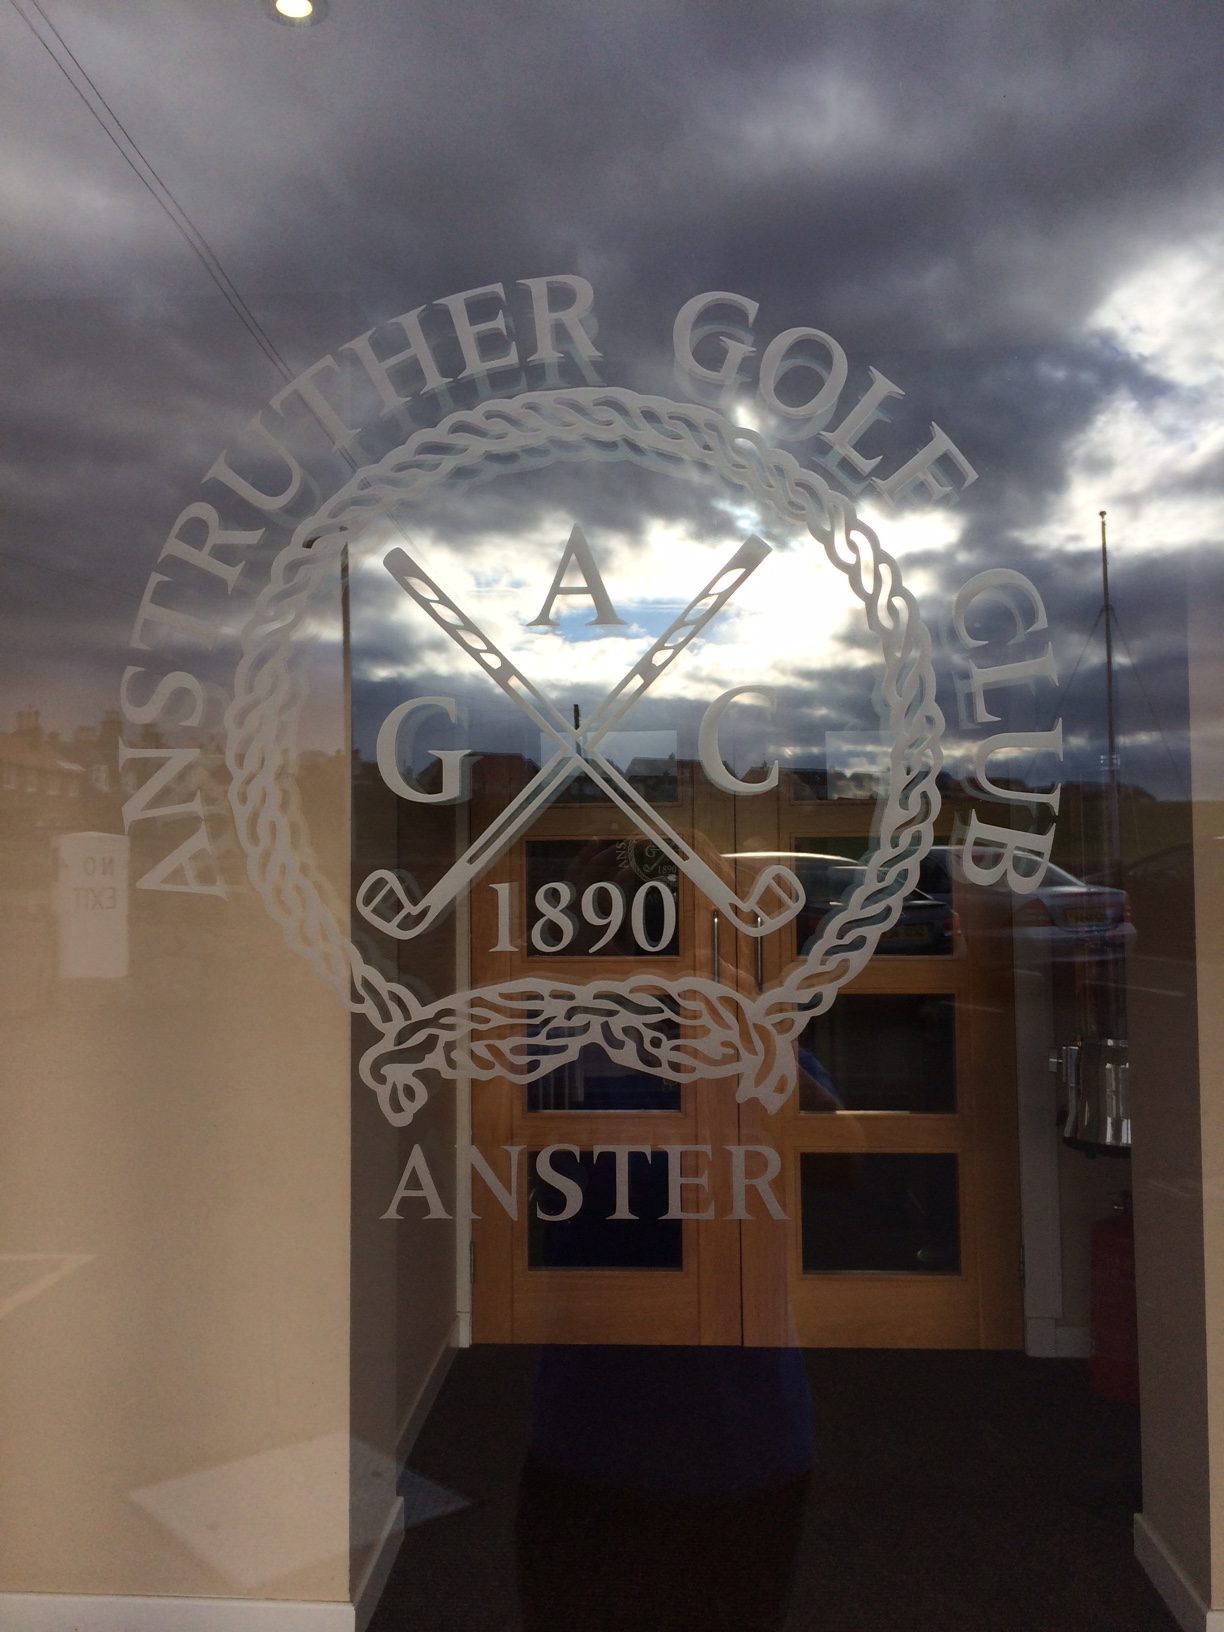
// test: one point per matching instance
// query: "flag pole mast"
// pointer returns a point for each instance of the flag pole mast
(1113, 824)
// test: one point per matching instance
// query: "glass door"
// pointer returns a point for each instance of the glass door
(876, 1206)
(623, 1227)
(897, 1151)
(734, 1041)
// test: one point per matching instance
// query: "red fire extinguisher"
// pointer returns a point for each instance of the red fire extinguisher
(1113, 1370)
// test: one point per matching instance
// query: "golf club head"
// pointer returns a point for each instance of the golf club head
(384, 902)
(774, 899)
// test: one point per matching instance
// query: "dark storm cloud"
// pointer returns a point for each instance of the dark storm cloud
(916, 170)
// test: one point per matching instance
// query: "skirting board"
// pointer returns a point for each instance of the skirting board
(374, 1579)
(107, 1612)
(369, 1588)
(1046, 1339)
(414, 1417)
(64, 1612)
(1171, 1582)
(1073, 1342)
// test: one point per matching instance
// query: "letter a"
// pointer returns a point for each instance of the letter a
(592, 585)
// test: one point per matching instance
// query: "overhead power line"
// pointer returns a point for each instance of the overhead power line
(69, 64)
(82, 82)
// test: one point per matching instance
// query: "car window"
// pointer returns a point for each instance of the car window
(1058, 875)
(830, 878)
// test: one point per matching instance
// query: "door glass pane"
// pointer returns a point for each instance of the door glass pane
(596, 1082)
(881, 1052)
(893, 1213)
(592, 1238)
(610, 898)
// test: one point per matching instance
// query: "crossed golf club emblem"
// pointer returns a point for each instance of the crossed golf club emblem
(775, 896)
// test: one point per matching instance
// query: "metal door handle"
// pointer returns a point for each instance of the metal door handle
(759, 949)
(715, 925)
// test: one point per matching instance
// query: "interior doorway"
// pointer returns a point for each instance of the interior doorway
(736, 1076)
(877, 1207)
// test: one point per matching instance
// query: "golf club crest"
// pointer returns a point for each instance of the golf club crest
(684, 1028)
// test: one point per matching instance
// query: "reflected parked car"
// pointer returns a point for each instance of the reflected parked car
(1073, 919)
(927, 926)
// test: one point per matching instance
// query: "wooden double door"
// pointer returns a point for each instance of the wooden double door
(878, 1207)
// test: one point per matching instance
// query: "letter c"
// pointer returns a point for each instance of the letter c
(1000, 580)
(454, 787)
(711, 754)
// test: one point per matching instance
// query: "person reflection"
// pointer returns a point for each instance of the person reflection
(664, 1488)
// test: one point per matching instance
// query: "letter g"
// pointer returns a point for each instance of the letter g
(391, 740)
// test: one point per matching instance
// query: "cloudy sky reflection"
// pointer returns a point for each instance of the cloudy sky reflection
(1009, 211)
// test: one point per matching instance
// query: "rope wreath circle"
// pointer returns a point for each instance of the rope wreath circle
(690, 1028)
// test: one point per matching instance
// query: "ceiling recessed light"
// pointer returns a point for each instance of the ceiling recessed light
(297, 13)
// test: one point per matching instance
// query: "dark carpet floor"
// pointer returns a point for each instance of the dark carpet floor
(954, 1492)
